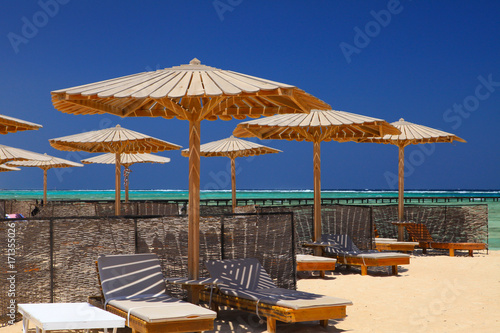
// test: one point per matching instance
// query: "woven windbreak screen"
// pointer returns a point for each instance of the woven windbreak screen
(54, 259)
(168, 238)
(71, 208)
(24, 273)
(77, 243)
(268, 237)
(303, 223)
(445, 223)
(354, 221)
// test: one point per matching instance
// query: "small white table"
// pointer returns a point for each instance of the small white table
(68, 316)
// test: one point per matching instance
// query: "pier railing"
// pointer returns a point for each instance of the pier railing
(331, 201)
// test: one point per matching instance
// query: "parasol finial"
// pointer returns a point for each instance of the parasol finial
(195, 61)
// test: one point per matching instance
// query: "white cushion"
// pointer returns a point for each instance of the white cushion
(310, 258)
(163, 308)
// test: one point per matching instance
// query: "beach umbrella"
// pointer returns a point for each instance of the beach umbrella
(12, 125)
(16, 154)
(232, 147)
(5, 168)
(51, 162)
(116, 140)
(315, 127)
(192, 92)
(126, 160)
(411, 134)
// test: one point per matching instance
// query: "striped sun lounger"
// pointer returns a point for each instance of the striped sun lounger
(347, 253)
(245, 285)
(134, 288)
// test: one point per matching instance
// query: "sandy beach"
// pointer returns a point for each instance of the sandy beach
(435, 293)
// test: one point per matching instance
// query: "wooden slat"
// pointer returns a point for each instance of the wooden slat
(196, 86)
(211, 89)
(226, 87)
(287, 315)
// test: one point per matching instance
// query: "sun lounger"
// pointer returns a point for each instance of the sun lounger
(133, 288)
(418, 232)
(347, 253)
(391, 244)
(307, 262)
(245, 285)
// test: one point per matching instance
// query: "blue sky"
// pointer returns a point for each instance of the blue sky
(434, 63)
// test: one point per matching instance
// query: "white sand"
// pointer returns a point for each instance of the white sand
(432, 294)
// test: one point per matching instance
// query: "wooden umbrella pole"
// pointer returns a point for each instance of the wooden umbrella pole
(317, 194)
(44, 186)
(126, 183)
(233, 182)
(401, 191)
(126, 192)
(117, 184)
(401, 185)
(194, 201)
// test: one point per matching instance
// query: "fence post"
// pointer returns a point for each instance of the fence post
(51, 241)
(222, 255)
(294, 254)
(136, 237)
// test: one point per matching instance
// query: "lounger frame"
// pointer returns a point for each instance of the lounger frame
(394, 247)
(418, 232)
(320, 266)
(141, 326)
(273, 312)
(452, 247)
(316, 266)
(364, 263)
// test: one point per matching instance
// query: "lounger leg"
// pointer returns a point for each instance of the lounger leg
(395, 270)
(322, 274)
(271, 325)
(452, 252)
(424, 250)
(364, 270)
(324, 323)
(214, 307)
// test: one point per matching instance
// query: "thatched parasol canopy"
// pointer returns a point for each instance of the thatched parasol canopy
(12, 125)
(52, 162)
(232, 147)
(317, 126)
(411, 134)
(116, 140)
(126, 160)
(16, 154)
(192, 92)
(5, 168)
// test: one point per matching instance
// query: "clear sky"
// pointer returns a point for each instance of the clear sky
(434, 63)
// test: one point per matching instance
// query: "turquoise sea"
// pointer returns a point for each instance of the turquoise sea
(493, 206)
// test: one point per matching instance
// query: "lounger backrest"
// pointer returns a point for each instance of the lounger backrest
(344, 244)
(245, 273)
(418, 232)
(130, 275)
